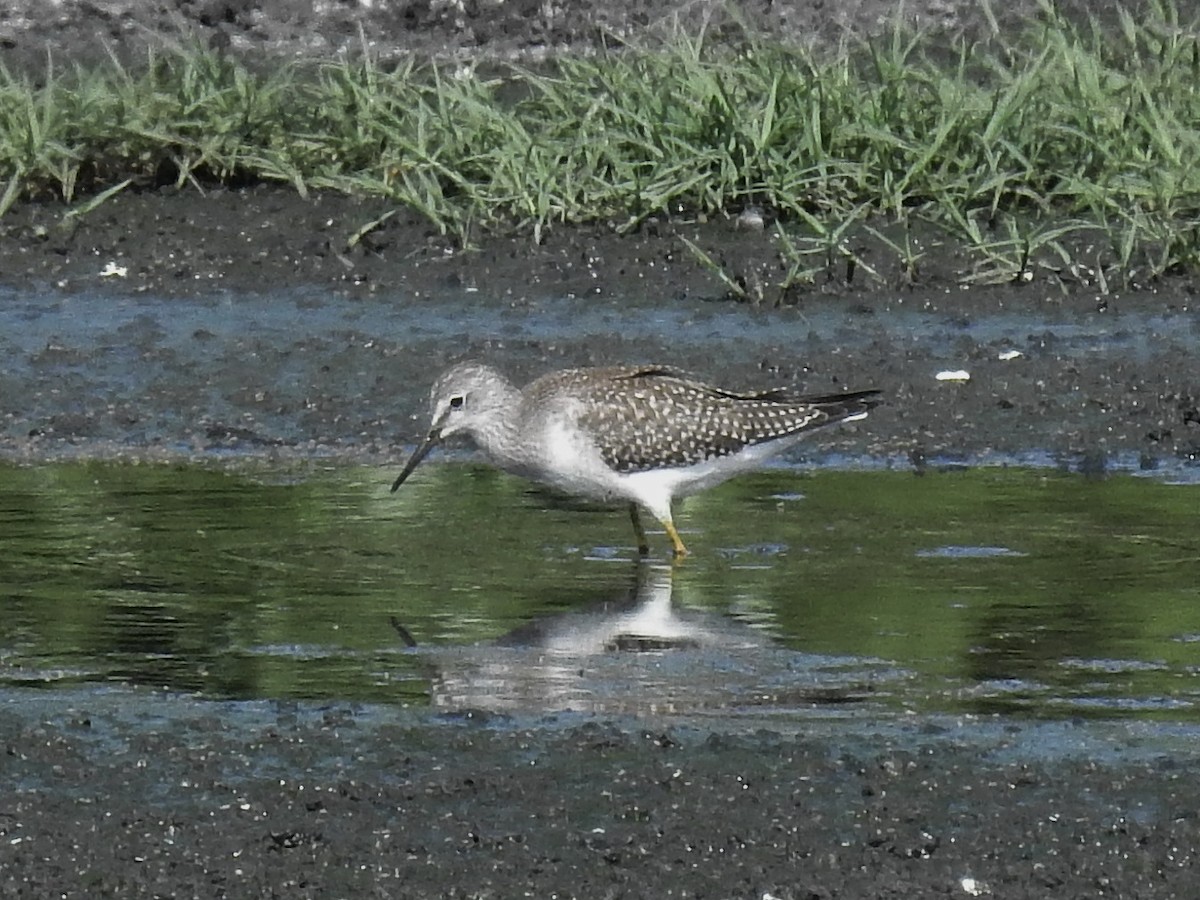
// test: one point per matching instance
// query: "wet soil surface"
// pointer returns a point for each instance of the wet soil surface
(136, 795)
(89, 30)
(237, 320)
(174, 324)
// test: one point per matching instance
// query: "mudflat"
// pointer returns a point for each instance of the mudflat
(172, 323)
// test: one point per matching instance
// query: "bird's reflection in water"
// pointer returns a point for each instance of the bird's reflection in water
(644, 619)
(641, 653)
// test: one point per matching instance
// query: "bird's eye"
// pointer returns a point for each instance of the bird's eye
(457, 402)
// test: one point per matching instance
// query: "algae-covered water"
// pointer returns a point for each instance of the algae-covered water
(809, 593)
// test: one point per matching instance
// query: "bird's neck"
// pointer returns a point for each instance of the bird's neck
(498, 434)
(498, 438)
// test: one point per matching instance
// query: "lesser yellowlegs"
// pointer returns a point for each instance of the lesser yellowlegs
(638, 434)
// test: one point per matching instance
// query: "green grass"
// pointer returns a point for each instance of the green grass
(1069, 151)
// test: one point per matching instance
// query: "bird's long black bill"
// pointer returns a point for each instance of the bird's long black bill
(432, 440)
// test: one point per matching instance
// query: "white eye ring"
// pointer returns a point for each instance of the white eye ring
(458, 402)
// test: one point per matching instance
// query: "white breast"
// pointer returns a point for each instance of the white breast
(566, 459)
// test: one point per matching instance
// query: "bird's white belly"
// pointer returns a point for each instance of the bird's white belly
(569, 461)
(693, 479)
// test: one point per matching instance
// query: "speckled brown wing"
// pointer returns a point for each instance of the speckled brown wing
(656, 417)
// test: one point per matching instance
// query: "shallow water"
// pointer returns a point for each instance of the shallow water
(809, 592)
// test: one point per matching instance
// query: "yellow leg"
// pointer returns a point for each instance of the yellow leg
(643, 543)
(680, 551)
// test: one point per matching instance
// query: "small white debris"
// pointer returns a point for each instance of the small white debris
(112, 270)
(973, 886)
(751, 219)
(953, 375)
(1010, 354)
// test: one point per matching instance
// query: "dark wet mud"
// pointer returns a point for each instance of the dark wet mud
(133, 794)
(310, 371)
(238, 324)
(519, 29)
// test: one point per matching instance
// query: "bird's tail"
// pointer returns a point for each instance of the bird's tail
(848, 407)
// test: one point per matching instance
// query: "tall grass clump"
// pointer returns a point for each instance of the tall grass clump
(1069, 148)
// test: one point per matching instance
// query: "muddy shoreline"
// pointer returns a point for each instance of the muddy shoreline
(237, 324)
(147, 795)
(310, 371)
